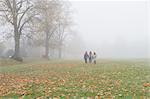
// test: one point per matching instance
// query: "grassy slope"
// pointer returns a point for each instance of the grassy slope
(109, 78)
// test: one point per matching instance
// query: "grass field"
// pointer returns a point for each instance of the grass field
(108, 78)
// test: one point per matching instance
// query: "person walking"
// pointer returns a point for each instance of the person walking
(90, 57)
(86, 56)
(94, 57)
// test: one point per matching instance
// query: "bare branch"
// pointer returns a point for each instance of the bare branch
(9, 5)
(23, 24)
(23, 15)
(50, 34)
(2, 10)
(21, 2)
(8, 18)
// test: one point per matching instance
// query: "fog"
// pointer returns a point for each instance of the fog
(113, 29)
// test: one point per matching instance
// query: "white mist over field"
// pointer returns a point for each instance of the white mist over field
(114, 29)
(111, 28)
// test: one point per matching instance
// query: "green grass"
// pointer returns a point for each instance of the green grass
(108, 78)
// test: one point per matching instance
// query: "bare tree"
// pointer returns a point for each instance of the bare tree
(18, 14)
(65, 22)
(61, 36)
(49, 11)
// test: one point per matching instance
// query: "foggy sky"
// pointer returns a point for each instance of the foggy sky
(114, 29)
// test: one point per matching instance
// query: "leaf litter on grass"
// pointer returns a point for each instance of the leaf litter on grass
(110, 79)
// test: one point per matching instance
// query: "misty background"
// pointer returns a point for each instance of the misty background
(111, 28)
(114, 29)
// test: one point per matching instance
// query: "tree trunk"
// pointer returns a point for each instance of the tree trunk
(17, 47)
(16, 55)
(46, 46)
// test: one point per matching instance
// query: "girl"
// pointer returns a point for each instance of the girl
(86, 56)
(90, 57)
(94, 57)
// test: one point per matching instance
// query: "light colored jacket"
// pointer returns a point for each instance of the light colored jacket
(94, 57)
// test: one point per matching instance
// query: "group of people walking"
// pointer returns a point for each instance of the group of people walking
(91, 57)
